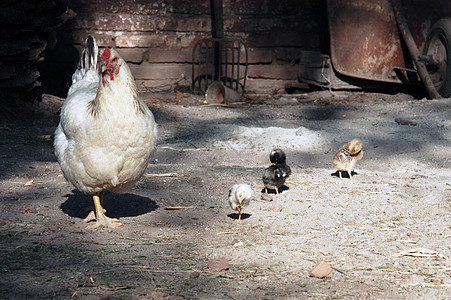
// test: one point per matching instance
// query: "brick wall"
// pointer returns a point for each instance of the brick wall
(156, 38)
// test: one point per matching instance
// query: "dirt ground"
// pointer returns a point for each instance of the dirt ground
(386, 234)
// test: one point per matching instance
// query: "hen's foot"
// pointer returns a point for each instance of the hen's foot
(99, 216)
(90, 217)
(103, 221)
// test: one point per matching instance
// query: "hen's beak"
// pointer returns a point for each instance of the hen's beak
(103, 68)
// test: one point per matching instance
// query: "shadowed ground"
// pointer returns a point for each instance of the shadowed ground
(399, 200)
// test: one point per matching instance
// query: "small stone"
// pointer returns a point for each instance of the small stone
(156, 294)
(321, 270)
(446, 281)
(416, 279)
(194, 274)
(405, 122)
(266, 197)
(217, 264)
(52, 228)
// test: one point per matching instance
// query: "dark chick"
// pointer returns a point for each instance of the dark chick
(276, 174)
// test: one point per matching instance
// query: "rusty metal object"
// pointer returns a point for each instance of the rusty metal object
(365, 41)
(415, 54)
(217, 92)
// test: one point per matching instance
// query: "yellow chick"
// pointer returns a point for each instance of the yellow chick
(240, 196)
(347, 156)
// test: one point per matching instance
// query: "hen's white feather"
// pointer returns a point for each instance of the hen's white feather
(107, 147)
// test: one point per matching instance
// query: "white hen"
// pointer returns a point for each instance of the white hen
(107, 134)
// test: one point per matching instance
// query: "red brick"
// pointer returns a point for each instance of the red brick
(284, 72)
(165, 55)
(130, 40)
(160, 71)
(134, 55)
(259, 55)
(279, 38)
(287, 54)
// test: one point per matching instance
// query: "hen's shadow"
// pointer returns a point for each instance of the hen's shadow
(78, 205)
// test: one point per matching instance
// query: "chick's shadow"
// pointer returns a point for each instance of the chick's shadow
(282, 188)
(344, 174)
(78, 205)
(236, 215)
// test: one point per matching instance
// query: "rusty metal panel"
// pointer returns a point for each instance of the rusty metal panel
(364, 39)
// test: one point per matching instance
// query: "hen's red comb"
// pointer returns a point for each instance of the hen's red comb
(106, 53)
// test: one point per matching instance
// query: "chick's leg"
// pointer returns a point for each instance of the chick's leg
(339, 174)
(239, 216)
(350, 174)
(101, 219)
(277, 190)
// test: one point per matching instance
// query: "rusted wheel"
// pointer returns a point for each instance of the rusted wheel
(437, 51)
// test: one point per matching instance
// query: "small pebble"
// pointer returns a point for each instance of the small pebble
(217, 264)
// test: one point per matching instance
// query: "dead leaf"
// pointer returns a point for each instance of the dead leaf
(321, 270)
(180, 94)
(217, 264)
(28, 183)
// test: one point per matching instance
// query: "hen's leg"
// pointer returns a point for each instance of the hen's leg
(101, 219)
(92, 215)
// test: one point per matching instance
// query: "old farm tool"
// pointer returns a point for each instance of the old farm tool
(219, 59)
(383, 43)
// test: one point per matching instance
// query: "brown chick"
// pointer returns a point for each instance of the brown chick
(347, 156)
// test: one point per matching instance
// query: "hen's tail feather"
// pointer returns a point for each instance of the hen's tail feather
(87, 67)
